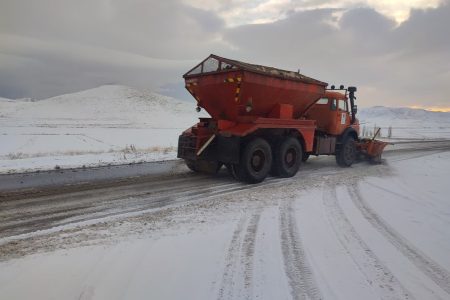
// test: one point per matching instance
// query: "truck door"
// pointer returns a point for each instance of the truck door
(343, 116)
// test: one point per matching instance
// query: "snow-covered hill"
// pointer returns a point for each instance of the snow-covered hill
(406, 122)
(6, 106)
(4, 99)
(108, 104)
(402, 113)
(117, 124)
(107, 124)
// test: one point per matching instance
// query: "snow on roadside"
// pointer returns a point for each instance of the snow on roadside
(85, 160)
(106, 125)
(405, 123)
(115, 124)
(141, 269)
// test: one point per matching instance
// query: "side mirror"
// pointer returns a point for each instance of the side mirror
(355, 109)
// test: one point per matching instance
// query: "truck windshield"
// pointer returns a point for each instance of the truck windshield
(211, 65)
(342, 105)
(322, 101)
(333, 104)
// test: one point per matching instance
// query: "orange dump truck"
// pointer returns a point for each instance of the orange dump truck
(268, 121)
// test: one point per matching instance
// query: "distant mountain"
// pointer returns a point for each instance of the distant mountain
(399, 114)
(18, 100)
(26, 99)
(5, 99)
(118, 104)
(403, 122)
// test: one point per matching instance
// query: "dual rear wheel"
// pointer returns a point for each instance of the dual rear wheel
(287, 158)
(258, 160)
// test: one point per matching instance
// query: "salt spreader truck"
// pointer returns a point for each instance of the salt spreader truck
(268, 121)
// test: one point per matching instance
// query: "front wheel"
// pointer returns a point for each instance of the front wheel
(346, 154)
(255, 161)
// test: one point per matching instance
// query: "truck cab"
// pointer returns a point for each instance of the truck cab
(268, 120)
(337, 128)
(333, 114)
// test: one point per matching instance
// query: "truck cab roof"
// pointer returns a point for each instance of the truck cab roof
(334, 95)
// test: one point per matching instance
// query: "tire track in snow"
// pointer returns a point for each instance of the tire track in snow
(427, 152)
(231, 262)
(88, 293)
(433, 270)
(240, 255)
(96, 215)
(248, 248)
(42, 214)
(377, 275)
(299, 273)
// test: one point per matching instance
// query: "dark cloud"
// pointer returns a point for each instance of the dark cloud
(392, 65)
(50, 47)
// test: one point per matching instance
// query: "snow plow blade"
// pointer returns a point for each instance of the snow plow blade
(371, 149)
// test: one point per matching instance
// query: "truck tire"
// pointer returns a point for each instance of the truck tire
(346, 153)
(233, 170)
(287, 158)
(191, 165)
(255, 162)
(203, 166)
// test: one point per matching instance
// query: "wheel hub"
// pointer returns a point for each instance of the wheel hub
(258, 160)
(290, 157)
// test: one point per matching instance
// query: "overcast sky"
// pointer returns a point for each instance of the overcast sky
(396, 52)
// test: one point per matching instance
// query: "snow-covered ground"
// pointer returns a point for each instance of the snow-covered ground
(406, 122)
(109, 124)
(115, 124)
(366, 232)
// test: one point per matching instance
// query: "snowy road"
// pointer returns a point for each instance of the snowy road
(94, 176)
(92, 195)
(30, 212)
(366, 232)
